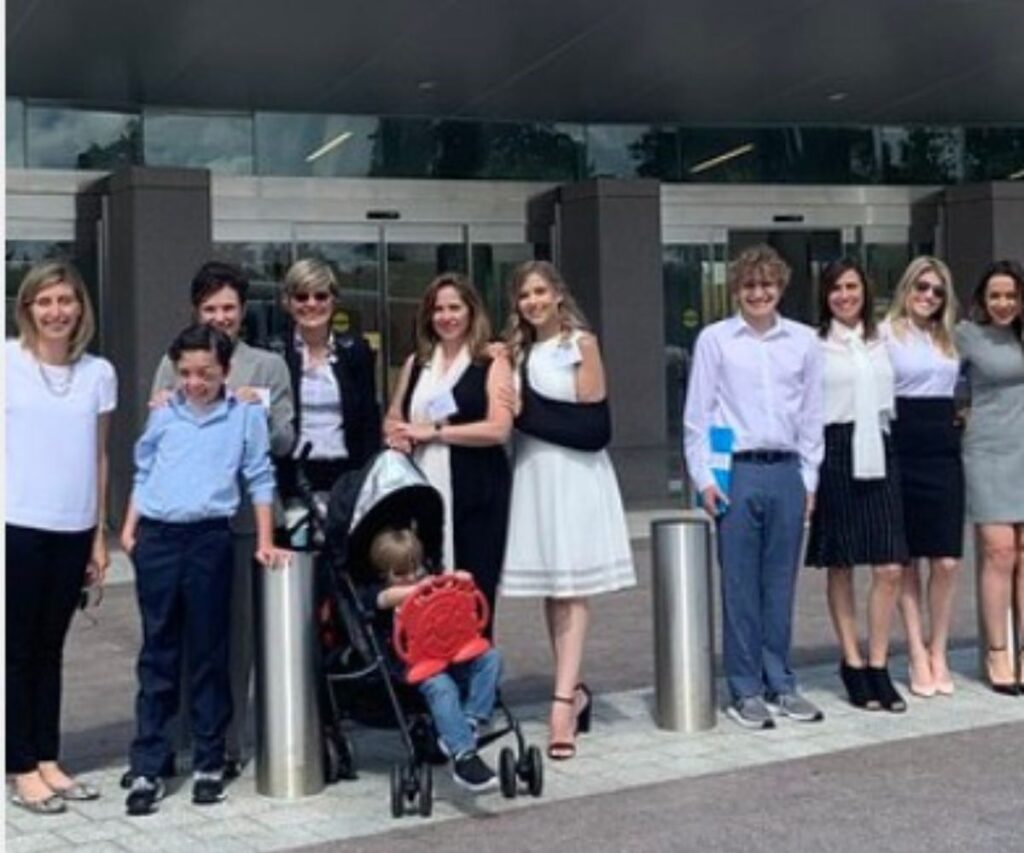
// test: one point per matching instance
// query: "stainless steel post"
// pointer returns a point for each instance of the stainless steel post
(289, 738)
(684, 672)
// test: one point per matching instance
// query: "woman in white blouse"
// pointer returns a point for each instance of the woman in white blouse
(858, 517)
(58, 401)
(919, 335)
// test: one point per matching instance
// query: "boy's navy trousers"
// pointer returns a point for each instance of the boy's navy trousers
(183, 583)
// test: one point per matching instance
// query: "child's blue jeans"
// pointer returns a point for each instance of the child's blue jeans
(461, 698)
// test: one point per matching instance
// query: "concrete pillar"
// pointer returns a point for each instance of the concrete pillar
(157, 224)
(608, 247)
(984, 223)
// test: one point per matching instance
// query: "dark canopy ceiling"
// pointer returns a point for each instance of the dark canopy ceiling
(691, 61)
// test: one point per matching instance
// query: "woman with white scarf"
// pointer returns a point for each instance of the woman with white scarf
(858, 517)
(452, 409)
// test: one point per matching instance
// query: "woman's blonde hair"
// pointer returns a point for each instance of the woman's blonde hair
(943, 320)
(39, 278)
(478, 334)
(310, 274)
(519, 334)
(396, 552)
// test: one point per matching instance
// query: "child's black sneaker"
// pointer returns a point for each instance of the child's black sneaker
(208, 788)
(145, 793)
(471, 772)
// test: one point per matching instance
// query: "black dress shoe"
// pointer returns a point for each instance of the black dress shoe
(232, 769)
(858, 687)
(884, 690)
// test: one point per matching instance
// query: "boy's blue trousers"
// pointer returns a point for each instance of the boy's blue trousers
(183, 583)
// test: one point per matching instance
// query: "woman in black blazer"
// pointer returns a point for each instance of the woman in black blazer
(333, 379)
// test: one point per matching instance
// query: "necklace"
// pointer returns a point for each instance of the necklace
(60, 384)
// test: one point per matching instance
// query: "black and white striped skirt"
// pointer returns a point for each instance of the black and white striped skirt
(855, 522)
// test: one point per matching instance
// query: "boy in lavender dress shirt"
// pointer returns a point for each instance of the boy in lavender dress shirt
(188, 463)
(759, 375)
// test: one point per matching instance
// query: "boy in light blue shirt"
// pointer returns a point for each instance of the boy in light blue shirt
(188, 464)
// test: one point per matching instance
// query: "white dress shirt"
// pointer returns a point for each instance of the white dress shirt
(921, 369)
(321, 424)
(766, 387)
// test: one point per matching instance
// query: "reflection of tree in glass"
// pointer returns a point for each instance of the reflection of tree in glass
(923, 155)
(127, 148)
(656, 155)
(993, 153)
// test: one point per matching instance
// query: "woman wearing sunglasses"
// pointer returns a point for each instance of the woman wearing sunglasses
(991, 346)
(336, 413)
(919, 335)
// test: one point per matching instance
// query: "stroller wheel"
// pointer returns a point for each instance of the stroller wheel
(507, 773)
(397, 791)
(534, 771)
(339, 757)
(425, 777)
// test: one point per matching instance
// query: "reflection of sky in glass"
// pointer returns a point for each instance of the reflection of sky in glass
(220, 143)
(15, 142)
(285, 140)
(56, 137)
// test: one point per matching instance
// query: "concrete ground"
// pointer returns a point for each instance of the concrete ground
(945, 776)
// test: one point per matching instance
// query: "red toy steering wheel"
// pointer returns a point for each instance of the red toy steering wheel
(440, 623)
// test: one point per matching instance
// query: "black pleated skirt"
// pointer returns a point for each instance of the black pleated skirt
(927, 443)
(855, 522)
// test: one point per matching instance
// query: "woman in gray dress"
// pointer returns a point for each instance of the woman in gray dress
(991, 346)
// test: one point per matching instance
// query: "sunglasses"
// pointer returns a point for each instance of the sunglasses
(304, 296)
(924, 286)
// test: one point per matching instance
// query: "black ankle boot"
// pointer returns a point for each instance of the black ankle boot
(884, 691)
(858, 689)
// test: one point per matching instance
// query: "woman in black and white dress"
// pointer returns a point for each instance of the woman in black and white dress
(858, 515)
(919, 335)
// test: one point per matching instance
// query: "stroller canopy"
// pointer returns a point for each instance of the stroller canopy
(389, 491)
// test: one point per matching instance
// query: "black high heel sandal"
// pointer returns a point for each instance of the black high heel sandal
(858, 688)
(563, 750)
(583, 715)
(884, 690)
(1003, 688)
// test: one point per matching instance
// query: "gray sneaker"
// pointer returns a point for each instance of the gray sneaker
(751, 713)
(796, 707)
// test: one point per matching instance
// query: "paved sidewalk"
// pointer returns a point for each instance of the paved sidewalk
(625, 751)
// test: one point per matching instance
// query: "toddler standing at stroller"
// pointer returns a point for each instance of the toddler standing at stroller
(460, 697)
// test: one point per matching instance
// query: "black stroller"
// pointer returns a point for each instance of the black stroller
(390, 491)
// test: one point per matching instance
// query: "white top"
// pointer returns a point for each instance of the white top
(921, 369)
(553, 364)
(766, 388)
(841, 376)
(321, 424)
(52, 439)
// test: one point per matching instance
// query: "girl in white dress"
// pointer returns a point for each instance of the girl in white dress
(567, 537)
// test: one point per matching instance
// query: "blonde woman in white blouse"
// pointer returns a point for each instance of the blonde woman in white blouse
(919, 335)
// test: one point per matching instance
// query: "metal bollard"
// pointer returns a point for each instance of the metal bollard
(289, 738)
(684, 671)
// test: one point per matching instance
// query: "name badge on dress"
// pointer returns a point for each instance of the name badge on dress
(264, 394)
(566, 354)
(442, 406)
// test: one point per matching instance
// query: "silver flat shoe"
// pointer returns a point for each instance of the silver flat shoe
(52, 804)
(78, 792)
